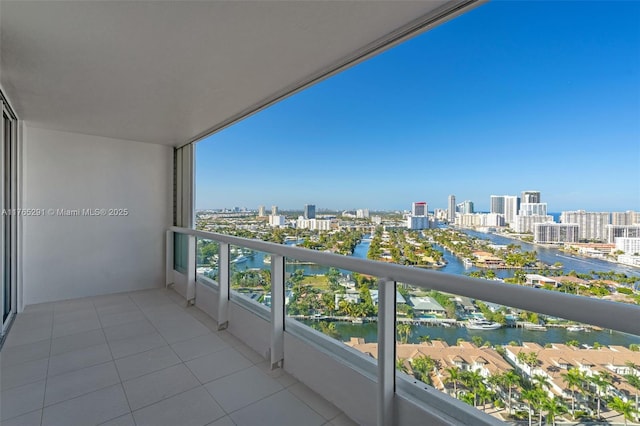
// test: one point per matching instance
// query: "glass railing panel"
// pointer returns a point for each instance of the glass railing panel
(250, 274)
(207, 259)
(338, 303)
(511, 363)
(180, 252)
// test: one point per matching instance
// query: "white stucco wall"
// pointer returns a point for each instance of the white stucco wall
(67, 257)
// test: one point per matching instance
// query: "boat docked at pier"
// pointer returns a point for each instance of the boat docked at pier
(482, 324)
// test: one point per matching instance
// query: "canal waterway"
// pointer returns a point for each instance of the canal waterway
(502, 336)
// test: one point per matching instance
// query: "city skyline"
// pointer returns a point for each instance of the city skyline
(540, 95)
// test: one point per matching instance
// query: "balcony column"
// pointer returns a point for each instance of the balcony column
(277, 310)
(223, 286)
(386, 351)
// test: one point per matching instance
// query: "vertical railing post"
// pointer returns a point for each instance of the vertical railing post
(386, 351)
(223, 286)
(277, 310)
(191, 269)
(169, 258)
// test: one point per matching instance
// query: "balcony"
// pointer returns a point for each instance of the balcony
(187, 355)
(144, 357)
(102, 105)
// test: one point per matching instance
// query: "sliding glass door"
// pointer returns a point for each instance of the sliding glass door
(10, 215)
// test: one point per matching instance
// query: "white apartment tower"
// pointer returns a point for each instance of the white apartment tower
(555, 233)
(511, 207)
(592, 224)
(625, 218)
(533, 209)
(274, 210)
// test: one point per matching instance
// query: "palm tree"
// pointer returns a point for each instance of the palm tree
(484, 394)
(509, 379)
(624, 408)
(541, 381)
(472, 380)
(400, 365)
(573, 378)
(404, 331)
(421, 367)
(530, 396)
(554, 407)
(425, 339)
(635, 382)
(601, 382)
(454, 375)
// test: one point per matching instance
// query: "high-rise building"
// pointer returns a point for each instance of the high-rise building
(261, 211)
(511, 208)
(467, 207)
(625, 218)
(451, 210)
(530, 197)
(274, 210)
(419, 208)
(417, 222)
(497, 204)
(526, 223)
(592, 224)
(309, 211)
(624, 231)
(419, 217)
(628, 245)
(532, 209)
(362, 213)
(555, 233)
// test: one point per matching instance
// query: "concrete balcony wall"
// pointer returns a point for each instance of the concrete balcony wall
(75, 256)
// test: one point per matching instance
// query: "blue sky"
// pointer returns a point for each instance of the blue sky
(508, 97)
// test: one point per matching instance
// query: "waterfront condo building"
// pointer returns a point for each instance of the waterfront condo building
(526, 223)
(555, 233)
(592, 224)
(628, 245)
(624, 231)
(625, 218)
(511, 208)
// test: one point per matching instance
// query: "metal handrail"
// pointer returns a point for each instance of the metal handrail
(602, 313)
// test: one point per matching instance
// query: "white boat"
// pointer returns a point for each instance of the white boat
(534, 327)
(575, 328)
(482, 324)
(240, 259)
(467, 262)
(357, 321)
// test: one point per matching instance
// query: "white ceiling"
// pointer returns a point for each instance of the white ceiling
(169, 72)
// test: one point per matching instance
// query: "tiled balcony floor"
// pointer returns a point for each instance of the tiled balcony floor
(142, 358)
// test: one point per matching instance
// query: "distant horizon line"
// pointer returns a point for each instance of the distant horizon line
(319, 210)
